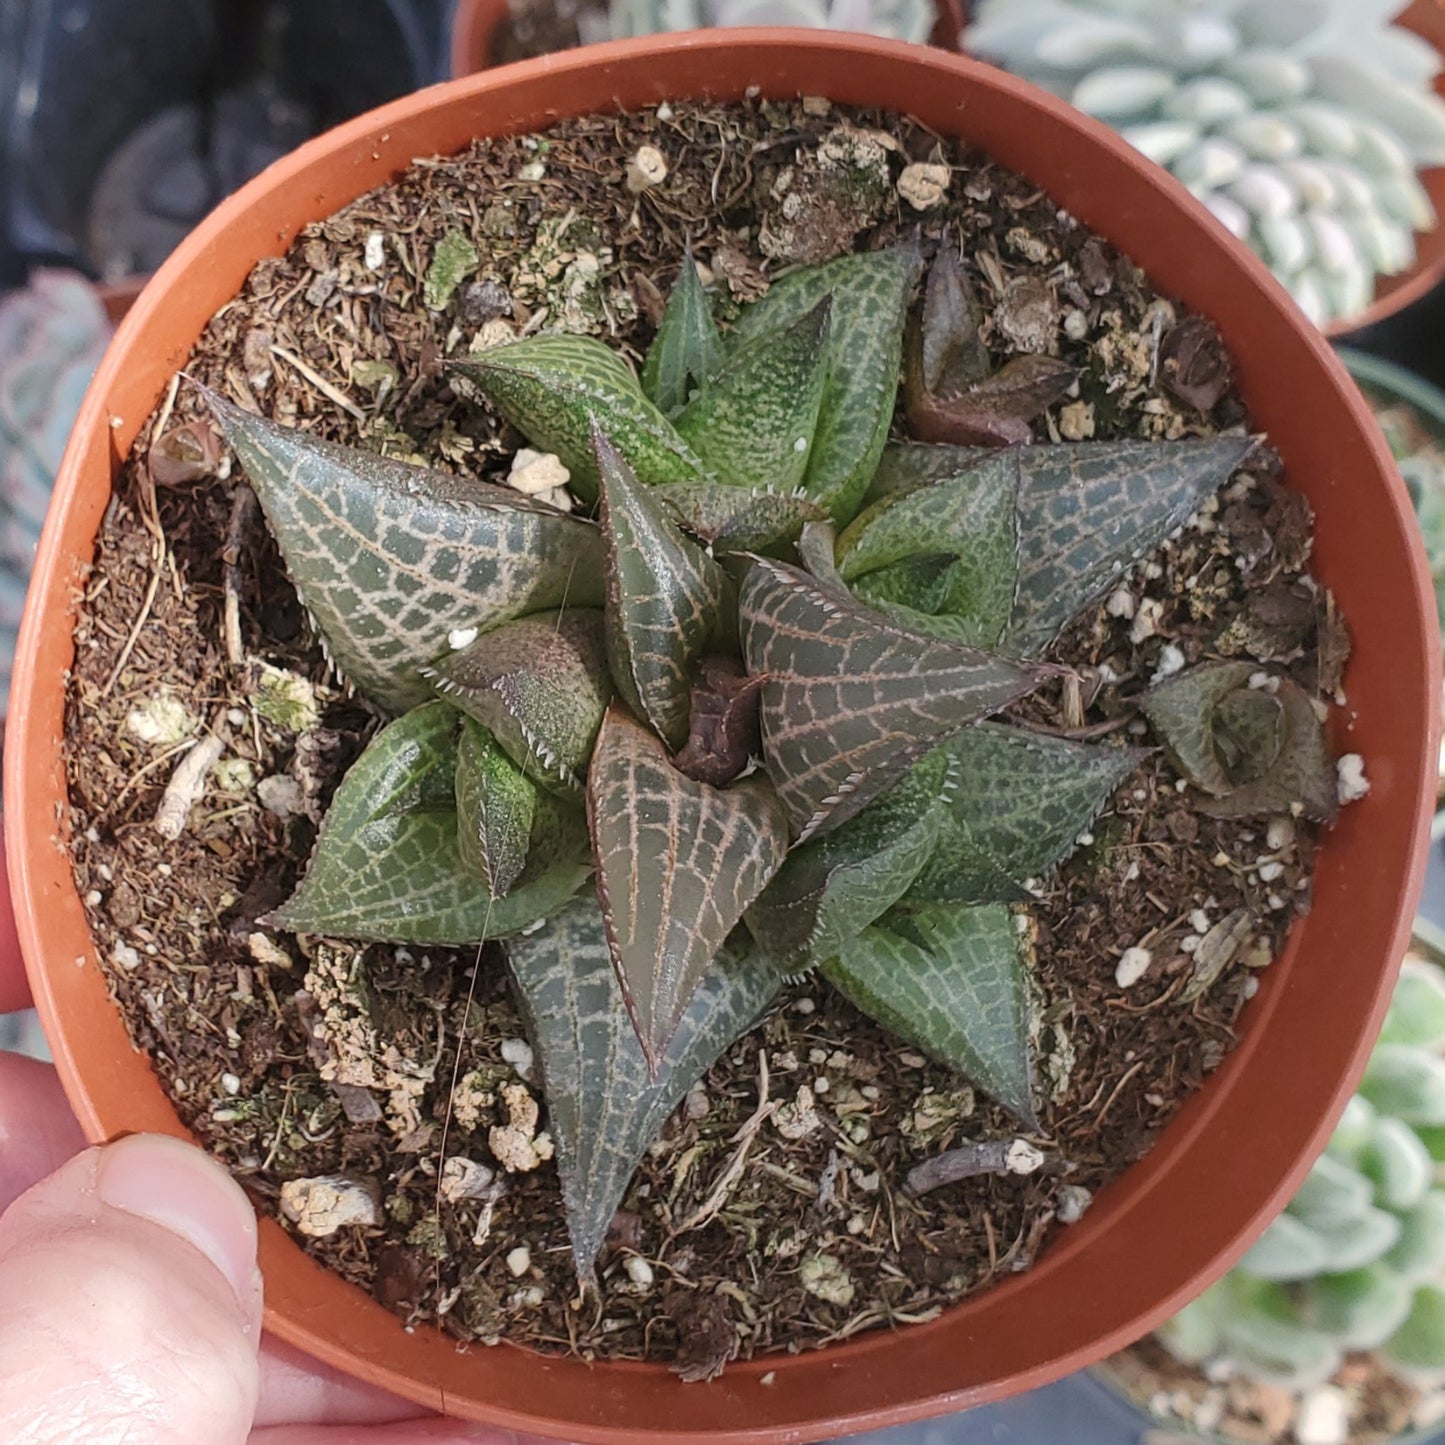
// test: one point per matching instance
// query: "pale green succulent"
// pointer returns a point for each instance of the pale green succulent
(900, 19)
(1357, 1259)
(1300, 123)
(747, 701)
(52, 333)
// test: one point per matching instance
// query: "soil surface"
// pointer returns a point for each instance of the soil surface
(293, 1059)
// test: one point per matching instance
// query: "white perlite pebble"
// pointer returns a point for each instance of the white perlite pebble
(319, 1207)
(1132, 966)
(1324, 1417)
(647, 168)
(281, 796)
(923, 185)
(1022, 1157)
(518, 1053)
(1280, 833)
(464, 1178)
(536, 472)
(460, 637)
(230, 1084)
(1171, 660)
(1121, 603)
(375, 253)
(519, 1260)
(638, 1271)
(1073, 1203)
(1351, 784)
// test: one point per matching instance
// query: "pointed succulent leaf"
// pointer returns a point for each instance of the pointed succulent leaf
(1193, 1334)
(665, 598)
(817, 543)
(677, 863)
(906, 466)
(1360, 1308)
(1398, 1163)
(495, 804)
(553, 388)
(1419, 1253)
(830, 889)
(970, 516)
(852, 701)
(753, 421)
(508, 829)
(733, 519)
(954, 980)
(944, 353)
(1417, 1007)
(1020, 803)
(387, 866)
(604, 1107)
(1418, 1346)
(1406, 1083)
(540, 685)
(390, 558)
(919, 583)
(687, 347)
(870, 295)
(1254, 750)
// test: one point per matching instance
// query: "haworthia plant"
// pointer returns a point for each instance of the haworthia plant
(751, 707)
(1357, 1259)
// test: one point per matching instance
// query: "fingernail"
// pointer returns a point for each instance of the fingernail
(176, 1186)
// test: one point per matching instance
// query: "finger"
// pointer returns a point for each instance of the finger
(14, 990)
(38, 1133)
(409, 1432)
(295, 1389)
(130, 1303)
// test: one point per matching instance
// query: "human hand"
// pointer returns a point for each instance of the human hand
(130, 1303)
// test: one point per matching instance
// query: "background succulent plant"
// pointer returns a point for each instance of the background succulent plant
(1357, 1259)
(748, 699)
(901, 19)
(52, 332)
(1301, 125)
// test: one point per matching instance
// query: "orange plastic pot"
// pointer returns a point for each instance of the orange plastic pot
(474, 24)
(1237, 1151)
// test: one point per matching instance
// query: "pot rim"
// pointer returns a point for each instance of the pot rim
(888, 1379)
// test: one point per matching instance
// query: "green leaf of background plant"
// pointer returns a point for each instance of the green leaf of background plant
(540, 686)
(603, 1107)
(732, 519)
(830, 888)
(754, 420)
(665, 599)
(954, 981)
(851, 700)
(390, 558)
(387, 866)
(677, 863)
(1020, 803)
(687, 347)
(553, 387)
(870, 294)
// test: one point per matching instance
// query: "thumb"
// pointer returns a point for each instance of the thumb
(130, 1302)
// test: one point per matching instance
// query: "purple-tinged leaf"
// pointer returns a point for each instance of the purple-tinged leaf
(851, 700)
(604, 1105)
(725, 729)
(1193, 364)
(677, 863)
(997, 411)
(944, 354)
(540, 685)
(665, 598)
(390, 559)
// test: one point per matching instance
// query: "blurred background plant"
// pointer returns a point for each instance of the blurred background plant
(1301, 124)
(900, 19)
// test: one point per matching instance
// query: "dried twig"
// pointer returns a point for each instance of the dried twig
(320, 383)
(188, 781)
(734, 1168)
(988, 1156)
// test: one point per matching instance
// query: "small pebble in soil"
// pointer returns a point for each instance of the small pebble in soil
(1132, 966)
(923, 185)
(1073, 1204)
(518, 1053)
(1324, 1417)
(647, 168)
(519, 1260)
(319, 1207)
(1352, 783)
(638, 1271)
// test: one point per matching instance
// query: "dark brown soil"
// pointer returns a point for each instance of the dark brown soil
(219, 1003)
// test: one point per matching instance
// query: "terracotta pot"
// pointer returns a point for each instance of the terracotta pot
(474, 22)
(1234, 1154)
